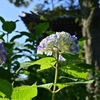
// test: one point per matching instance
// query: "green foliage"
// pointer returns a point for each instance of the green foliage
(40, 28)
(75, 71)
(6, 88)
(19, 3)
(4, 99)
(24, 92)
(46, 86)
(2, 19)
(9, 26)
(17, 93)
(45, 63)
(72, 72)
(63, 85)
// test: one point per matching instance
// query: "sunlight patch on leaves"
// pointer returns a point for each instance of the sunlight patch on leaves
(46, 86)
(75, 71)
(24, 92)
(45, 63)
(4, 99)
(63, 85)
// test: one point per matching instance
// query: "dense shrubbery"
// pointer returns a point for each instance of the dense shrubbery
(55, 72)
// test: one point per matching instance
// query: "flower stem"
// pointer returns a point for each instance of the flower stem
(55, 78)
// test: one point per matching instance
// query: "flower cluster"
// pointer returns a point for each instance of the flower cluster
(61, 41)
(3, 54)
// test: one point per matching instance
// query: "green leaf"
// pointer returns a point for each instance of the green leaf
(81, 43)
(50, 32)
(24, 92)
(30, 35)
(23, 50)
(46, 86)
(15, 37)
(6, 88)
(71, 59)
(4, 74)
(83, 38)
(9, 26)
(4, 99)
(29, 46)
(68, 56)
(73, 79)
(86, 66)
(16, 57)
(75, 71)
(25, 65)
(1, 37)
(2, 95)
(42, 27)
(63, 85)
(2, 19)
(20, 34)
(45, 63)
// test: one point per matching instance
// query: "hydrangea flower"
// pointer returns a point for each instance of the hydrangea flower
(3, 54)
(61, 41)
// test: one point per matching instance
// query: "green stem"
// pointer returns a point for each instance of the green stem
(55, 78)
(7, 37)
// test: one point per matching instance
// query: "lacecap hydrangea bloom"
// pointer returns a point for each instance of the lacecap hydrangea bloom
(61, 41)
(3, 54)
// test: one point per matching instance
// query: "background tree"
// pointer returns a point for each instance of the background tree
(19, 3)
(90, 13)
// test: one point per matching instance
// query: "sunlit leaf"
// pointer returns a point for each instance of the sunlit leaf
(2, 95)
(4, 99)
(76, 71)
(64, 77)
(81, 41)
(63, 85)
(25, 65)
(46, 86)
(6, 88)
(24, 92)
(45, 63)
